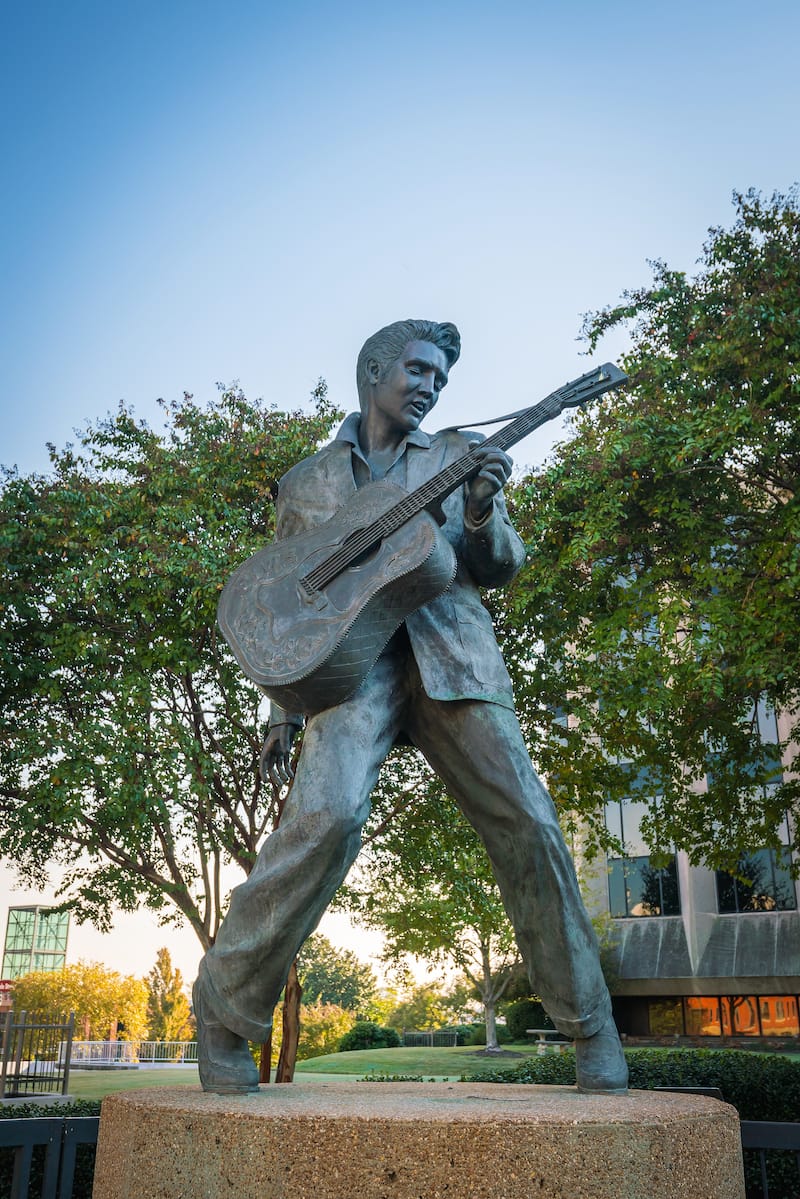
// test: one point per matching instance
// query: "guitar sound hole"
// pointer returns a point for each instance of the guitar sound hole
(366, 555)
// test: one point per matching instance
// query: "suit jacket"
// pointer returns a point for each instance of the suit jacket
(451, 637)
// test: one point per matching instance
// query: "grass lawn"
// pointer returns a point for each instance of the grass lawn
(94, 1084)
(430, 1063)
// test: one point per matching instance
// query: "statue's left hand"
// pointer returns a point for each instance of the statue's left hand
(275, 765)
(493, 475)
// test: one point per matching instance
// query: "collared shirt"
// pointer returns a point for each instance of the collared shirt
(362, 471)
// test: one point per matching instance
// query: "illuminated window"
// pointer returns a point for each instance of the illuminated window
(703, 1016)
(779, 1016)
(739, 1016)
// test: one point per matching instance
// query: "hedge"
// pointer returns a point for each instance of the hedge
(761, 1086)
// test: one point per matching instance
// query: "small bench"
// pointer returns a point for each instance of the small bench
(544, 1044)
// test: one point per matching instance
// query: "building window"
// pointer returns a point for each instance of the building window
(36, 939)
(761, 881)
(779, 1016)
(740, 1016)
(635, 888)
(703, 1016)
(665, 1017)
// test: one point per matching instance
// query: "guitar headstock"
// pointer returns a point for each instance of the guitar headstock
(594, 383)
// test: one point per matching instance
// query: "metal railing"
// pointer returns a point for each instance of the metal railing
(34, 1054)
(60, 1138)
(85, 1054)
(763, 1136)
(441, 1038)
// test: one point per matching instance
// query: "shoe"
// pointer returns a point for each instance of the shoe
(600, 1063)
(225, 1062)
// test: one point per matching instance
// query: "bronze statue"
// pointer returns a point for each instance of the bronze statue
(440, 684)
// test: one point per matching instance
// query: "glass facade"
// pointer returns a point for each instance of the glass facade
(36, 939)
(725, 1016)
(635, 888)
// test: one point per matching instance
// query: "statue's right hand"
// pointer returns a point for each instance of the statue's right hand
(275, 764)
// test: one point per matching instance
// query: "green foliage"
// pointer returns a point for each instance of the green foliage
(169, 1016)
(525, 1014)
(425, 1007)
(760, 1086)
(478, 1036)
(322, 1026)
(129, 738)
(335, 976)
(365, 1034)
(663, 595)
(103, 1000)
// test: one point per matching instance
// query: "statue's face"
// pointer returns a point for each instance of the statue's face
(411, 386)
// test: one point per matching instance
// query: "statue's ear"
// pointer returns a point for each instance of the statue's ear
(373, 370)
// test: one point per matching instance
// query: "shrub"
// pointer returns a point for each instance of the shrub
(463, 1032)
(366, 1034)
(322, 1026)
(761, 1086)
(478, 1035)
(525, 1014)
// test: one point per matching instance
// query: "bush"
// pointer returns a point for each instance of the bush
(478, 1035)
(322, 1026)
(463, 1032)
(525, 1014)
(761, 1086)
(366, 1034)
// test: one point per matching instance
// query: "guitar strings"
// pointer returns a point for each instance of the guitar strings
(438, 487)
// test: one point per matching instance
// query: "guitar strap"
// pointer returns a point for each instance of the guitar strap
(478, 424)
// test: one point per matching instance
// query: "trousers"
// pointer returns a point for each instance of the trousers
(478, 750)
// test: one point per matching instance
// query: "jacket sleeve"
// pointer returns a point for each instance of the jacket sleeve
(492, 550)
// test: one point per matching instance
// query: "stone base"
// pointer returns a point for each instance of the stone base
(365, 1140)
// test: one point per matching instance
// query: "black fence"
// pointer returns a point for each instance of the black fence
(34, 1054)
(45, 1159)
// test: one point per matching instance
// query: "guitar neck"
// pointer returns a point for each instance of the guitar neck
(437, 488)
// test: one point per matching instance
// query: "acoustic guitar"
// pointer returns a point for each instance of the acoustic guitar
(307, 617)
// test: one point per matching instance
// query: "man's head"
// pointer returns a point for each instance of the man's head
(385, 347)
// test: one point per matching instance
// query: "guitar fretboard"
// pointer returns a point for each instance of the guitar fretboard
(436, 489)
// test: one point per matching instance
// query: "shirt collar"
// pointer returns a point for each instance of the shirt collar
(351, 424)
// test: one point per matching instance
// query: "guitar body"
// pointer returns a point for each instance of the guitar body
(310, 650)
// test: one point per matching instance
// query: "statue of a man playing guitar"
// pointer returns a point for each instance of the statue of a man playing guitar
(440, 684)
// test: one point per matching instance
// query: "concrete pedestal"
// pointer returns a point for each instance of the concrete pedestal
(363, 1140)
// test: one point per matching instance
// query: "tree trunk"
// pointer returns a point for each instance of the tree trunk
(265, 1059)
(284, 1071)
(492, 1044)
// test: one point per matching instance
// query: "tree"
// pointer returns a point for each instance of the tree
(106, 1004)
(129, 737)
(425, 1007)
(335, 976)
(426, 883)
(169, 1015)
(660, 606)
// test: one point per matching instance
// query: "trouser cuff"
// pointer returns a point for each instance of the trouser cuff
(223, 1011)
(584, 1026)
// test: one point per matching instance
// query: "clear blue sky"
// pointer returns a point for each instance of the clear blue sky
(194, 192)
